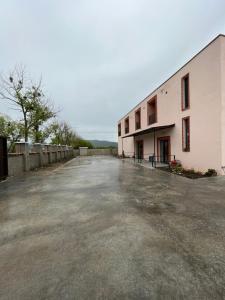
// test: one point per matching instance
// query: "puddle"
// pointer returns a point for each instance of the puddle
(157, 208)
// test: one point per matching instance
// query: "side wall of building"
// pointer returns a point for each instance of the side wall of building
(205, 111)
(223, 101)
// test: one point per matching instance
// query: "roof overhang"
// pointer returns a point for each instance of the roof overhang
(149, 130)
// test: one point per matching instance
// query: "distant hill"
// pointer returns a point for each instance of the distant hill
(103, 144)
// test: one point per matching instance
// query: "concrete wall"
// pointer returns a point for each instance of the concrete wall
(90, 152)
(205, 113)
(15, 164)
(76, 152)
(100, 151)
(34, 160)
(28, 157)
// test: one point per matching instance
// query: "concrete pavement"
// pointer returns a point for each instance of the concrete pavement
(100, 228)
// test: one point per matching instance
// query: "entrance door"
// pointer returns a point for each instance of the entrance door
(164, 149)
(3, 158)
(140, 150)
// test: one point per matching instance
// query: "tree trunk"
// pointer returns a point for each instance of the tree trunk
(25, 129)
(36, 131)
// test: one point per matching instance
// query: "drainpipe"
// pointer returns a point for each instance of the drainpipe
(134, 146)
(122, 149)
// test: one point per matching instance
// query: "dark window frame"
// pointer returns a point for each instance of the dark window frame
(127, 125)
(185, 89)
(138, 111)
(153, 99)
(186, 135)
(119, 129)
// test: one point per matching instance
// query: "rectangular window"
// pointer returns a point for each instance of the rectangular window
(186, 134)
(119, 129)
(185, 92)
(126, 125)
(152, 111)
(138, 119)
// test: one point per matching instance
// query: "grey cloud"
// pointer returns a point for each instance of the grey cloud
(99, 58)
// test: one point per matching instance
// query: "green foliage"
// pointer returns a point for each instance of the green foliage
(79, 142)
(11, 129)
(61, 133)
(41, 113)
(177, 169)
(210, 172)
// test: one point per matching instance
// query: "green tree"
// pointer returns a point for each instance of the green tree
(62, 133)
(10, 129)
(79, 142)
(41, 113)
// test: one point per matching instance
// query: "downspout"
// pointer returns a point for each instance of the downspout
(122, 149)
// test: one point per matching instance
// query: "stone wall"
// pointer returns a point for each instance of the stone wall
(29, 157)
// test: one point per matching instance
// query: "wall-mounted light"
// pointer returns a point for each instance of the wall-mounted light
(163, 92)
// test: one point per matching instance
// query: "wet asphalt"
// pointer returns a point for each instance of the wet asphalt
(101, 228)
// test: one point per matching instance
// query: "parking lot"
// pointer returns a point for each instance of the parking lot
(101, 228)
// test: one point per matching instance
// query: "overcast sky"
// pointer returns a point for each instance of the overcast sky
(99, 58)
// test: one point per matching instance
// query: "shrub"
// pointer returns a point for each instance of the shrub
(210, 172)
(173, 163)
(177, 168)
(190, 171)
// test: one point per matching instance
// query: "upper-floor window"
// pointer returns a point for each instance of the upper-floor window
(138, 119)
(185, 92)
(152, 111)
(186, 134)
(119, 129)
(126, 125)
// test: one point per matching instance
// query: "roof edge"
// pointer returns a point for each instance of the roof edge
(212, 41)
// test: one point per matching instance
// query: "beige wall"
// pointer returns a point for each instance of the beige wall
(205, 111)
(222, 40)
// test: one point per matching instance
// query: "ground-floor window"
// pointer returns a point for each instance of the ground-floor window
(186, 134)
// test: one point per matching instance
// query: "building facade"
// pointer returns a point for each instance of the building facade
(184, 117)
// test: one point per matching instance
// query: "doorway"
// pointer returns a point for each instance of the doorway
(140, 150)
(164, 149)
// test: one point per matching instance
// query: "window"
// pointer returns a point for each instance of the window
(119, 129)
(138, 119)
(186, 134)
(152, 111)
(126, 125)
(185, 92)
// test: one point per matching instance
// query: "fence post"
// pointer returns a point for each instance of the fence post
(23, 147)
(49, 151)
(83, 151)
(38, 148)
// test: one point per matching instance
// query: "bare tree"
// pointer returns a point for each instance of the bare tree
(28, 99)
